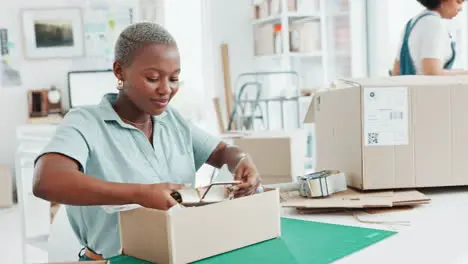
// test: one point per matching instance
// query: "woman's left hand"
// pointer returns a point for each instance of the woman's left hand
(247, 173)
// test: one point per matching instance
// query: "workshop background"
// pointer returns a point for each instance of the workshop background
(247, 65)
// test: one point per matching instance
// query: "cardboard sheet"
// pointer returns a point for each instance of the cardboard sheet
(354, 199)
(297, 245)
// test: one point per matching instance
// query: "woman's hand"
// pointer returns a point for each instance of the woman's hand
(158, 196)
(240, 164)
(246, 172)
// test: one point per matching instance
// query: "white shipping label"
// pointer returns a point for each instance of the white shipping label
(385, 116)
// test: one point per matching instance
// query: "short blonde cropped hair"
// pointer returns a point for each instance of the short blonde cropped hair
(138, 35)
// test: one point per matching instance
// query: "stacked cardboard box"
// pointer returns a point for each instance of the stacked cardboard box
(278, 155)
(264, 43)
(394, 132)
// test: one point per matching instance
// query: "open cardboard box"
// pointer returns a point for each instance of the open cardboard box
(187, 234)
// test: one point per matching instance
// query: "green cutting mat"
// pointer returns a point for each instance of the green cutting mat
(300, 242)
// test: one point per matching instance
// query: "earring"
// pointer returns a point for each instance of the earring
(119, 85)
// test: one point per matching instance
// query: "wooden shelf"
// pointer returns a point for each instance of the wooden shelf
(324, 45)
(341, 13)
(291, 54)
(311, 55)
(292, 17)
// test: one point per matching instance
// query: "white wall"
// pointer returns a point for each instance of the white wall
(387, 20)
(227, 21)
(199, 26)
(194, 97)
(35, 74)
(386, 23)
(230, 22)
(399, 12)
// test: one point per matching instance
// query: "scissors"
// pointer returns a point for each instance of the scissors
(231, 187)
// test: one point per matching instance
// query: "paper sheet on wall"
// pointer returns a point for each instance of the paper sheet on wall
(118, 20)
(9, 74)
(102, 25)
(150, 10)
(385, 116)
(96, 32)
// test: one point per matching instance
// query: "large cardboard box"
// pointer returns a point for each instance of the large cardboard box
(6, 187)
(192, 233)
(189, 234)
(278, 155)
(264, 40)
(394, 132)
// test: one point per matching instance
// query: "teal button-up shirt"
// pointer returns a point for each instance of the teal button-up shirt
(109, 149)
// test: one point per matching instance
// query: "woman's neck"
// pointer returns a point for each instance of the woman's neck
(439, 11)
(128, 111)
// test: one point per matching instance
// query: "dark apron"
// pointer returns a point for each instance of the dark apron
(406, 63)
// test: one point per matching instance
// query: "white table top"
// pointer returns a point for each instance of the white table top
(436, 232)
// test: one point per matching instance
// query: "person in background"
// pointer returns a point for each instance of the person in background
(132, 148)
(427, 47)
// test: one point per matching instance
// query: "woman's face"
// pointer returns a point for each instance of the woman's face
(451, 8)
(152, 78)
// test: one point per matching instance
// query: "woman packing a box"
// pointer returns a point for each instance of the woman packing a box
(427, 47)
(131, 148)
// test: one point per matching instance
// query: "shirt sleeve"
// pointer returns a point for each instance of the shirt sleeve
(72, 138)
(432, 38)
(203, 144)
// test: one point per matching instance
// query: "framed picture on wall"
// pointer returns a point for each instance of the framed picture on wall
(52, 33)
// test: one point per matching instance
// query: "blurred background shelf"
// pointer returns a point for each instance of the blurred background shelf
(319, 39)
(298, 55)
(291, 17)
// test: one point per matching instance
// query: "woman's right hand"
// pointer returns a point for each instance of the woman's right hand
(158, 196)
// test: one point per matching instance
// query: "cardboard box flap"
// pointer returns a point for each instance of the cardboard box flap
(314, 105)
(354, 199)
(409, 198)
(406, 80)
(310, 115)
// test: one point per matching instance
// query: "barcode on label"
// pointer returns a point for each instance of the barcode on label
(372, 138)
(395, 115)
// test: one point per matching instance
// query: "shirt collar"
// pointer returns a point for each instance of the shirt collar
(431, 12)
(108, 113)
